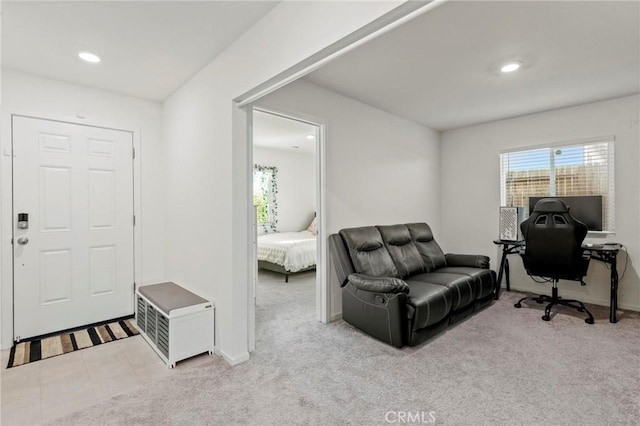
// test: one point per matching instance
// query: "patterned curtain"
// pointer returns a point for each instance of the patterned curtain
(265, 191)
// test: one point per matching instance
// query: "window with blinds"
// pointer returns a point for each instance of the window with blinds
(572, 169)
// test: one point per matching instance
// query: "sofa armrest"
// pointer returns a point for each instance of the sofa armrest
(469, 260)
(379, 284)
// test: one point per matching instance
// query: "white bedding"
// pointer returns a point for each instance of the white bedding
(292, 250)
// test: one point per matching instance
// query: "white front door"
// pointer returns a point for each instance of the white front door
(73, 264)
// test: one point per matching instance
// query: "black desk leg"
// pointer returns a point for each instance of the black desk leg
(500, 272)
(506, 273)
(613, 315)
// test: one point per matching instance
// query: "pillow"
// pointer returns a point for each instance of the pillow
(313, 227)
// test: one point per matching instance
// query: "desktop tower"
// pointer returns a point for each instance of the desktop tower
(510, 220)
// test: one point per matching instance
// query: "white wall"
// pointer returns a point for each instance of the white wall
(39, 97)
(208, 175)
(471, 188)
(296, 186)
(380, 169)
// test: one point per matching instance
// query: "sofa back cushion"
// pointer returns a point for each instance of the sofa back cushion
(368, 252)
(431, 253)
(402, 249)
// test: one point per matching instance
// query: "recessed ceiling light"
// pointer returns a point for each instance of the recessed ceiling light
(295, 146)
(510, 67)
(89, 57)
(310, 137)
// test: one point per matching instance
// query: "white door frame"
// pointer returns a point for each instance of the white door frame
(323, 296)
(7, 219)
(242, 146)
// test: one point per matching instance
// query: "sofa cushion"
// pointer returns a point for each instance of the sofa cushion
(462, 286)
(428, 303)
(431, 253)
(403, 251)
(368, 252)
(483, 279)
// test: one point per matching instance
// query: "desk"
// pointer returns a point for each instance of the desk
(508, 247)
(606, 253)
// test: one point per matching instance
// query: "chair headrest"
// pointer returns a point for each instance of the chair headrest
(550, 205)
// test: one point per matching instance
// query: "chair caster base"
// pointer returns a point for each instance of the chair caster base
(589, 321)
(517, 305)
(546, 318)
(539, 301)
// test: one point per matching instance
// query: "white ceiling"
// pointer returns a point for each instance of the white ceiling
(275, 132)
(148, 48)
(442, 68)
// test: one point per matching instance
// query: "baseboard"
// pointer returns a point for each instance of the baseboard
(628, 307)
(233, 360)
(335, 317)
(591, 300)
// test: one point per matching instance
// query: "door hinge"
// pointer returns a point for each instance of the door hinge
(134, 152)
(134, 288)
(12, 241)
(134, 220)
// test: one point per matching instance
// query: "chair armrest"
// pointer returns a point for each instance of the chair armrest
(379, 284)
(469, 260)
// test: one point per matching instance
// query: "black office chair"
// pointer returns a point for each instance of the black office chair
(554, 251)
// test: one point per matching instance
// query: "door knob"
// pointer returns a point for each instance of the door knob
(23, 240)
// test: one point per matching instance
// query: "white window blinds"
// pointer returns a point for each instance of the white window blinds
(585, 168)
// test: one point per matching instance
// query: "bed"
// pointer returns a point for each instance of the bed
(287, 252)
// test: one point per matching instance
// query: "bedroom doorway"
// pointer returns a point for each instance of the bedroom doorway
(288, 268)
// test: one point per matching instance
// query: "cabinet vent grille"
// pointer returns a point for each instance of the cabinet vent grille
(142, 314)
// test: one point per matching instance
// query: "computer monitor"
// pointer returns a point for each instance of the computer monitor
(586, 208)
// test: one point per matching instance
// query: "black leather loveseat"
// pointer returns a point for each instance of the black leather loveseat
(398, 285)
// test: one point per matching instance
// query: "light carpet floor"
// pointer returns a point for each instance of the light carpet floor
(502, 366)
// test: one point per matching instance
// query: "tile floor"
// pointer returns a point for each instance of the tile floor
(44, 390)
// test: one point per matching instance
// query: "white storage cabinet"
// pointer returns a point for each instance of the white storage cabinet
(177, 323)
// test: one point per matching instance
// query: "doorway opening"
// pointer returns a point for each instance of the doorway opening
(287, 194)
